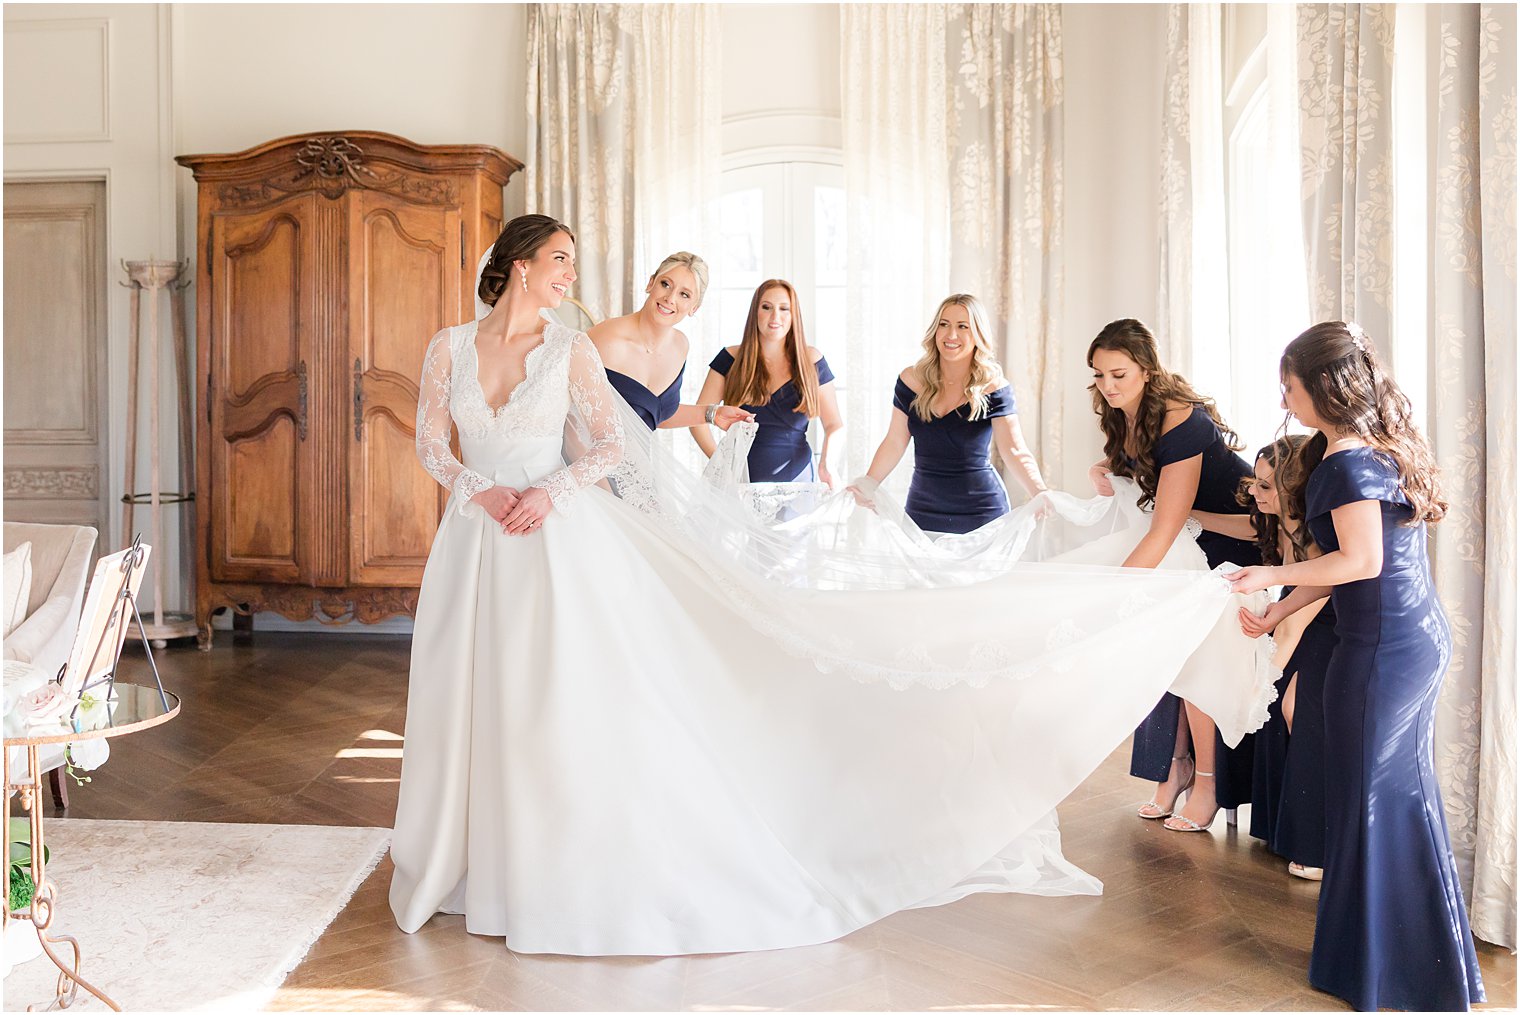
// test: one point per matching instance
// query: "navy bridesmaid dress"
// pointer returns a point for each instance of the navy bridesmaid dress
(954, 486)
(1392, 928)
(780, 453)
(1288, 775)
(653, 409)
(1218, 486)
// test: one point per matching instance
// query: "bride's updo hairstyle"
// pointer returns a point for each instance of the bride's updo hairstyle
(1338, 367)
(520, 240)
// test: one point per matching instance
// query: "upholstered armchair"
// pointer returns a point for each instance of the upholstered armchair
(60, 563)
(60, 568)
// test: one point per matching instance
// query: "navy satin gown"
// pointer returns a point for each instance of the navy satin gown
(1392, 928)
(653, 409)
(1218, 486)
(780, 453)
(1288, 775)
(954, 486)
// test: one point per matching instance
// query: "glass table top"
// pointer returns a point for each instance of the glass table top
(107, 710)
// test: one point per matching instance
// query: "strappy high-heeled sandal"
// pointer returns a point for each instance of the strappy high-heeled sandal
(1153, 811)
(1183, 824)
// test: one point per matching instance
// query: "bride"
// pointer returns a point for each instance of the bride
(611, 746)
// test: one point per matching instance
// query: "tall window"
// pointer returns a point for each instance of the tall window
(783, 220)
(1269, 301)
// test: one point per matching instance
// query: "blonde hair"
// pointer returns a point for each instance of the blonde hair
(685, 259)
(984, 368)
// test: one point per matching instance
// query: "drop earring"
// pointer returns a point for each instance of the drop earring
(525, 279)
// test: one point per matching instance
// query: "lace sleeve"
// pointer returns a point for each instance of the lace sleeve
(435, 424)
(596, 403)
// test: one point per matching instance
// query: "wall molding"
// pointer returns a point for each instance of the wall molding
(18, 27)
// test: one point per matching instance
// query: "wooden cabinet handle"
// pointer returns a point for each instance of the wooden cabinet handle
(301, 399)
(358, 400)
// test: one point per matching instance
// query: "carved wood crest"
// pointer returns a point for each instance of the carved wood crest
(330, 166)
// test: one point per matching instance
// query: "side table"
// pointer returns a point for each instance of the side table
(127, 708)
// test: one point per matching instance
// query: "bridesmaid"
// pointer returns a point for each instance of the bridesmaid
(1172, 442)
(641, 348)
(785, 382)
(1392, 928)
(952, 404)
(1288, 770)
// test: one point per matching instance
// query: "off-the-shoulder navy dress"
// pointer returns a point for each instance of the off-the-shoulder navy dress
(780, 453)
(1392, 929)
(653, 409)
(954, 486)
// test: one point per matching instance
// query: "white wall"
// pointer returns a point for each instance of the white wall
(434, 74)
(780, 78)
(1113, 62)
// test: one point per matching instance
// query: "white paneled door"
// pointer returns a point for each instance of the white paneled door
(55, 353)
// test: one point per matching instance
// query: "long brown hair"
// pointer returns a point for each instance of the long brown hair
(1339, 370)
(748, 382)
(1163, 388)
(1269, 527)
(984, 368)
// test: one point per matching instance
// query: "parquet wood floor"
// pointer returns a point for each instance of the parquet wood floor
(307, 729)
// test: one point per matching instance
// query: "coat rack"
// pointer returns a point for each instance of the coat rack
(154, 277)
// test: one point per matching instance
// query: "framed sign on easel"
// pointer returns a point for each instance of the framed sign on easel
(110, 608)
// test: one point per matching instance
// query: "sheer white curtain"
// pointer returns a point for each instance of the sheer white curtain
(1193, 328)
(953, 180)
(624, 138)
(894, 86)
(1473, 379)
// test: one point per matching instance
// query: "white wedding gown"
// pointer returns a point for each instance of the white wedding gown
(620, 742)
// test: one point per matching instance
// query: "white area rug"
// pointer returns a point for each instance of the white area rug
(186, 916)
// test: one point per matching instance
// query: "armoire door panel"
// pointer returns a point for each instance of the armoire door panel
(262, 440)
(405, 278)
(393, 535)
(261, 508)
(261, 307)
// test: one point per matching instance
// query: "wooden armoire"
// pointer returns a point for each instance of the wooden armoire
(325, 264)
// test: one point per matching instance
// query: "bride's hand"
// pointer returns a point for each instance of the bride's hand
(726, 416)
(497, 501)
(529, 514)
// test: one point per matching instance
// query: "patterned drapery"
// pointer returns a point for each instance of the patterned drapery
(624, 137)
(1346, 137)
(1473, 380)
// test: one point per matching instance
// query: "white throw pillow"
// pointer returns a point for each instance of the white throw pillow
(17, 567)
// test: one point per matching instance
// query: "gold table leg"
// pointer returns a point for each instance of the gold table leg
(44, 895)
